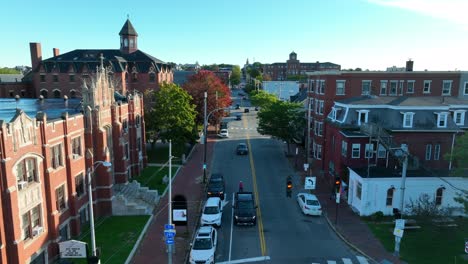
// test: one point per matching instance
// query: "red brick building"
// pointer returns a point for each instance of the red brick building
(47, 148)
(131, 68)
(363, 94)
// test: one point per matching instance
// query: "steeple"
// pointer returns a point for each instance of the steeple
(128, 38)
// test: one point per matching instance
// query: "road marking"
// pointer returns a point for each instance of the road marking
(331, 262)
(362, 260)
(257, 201)
(347, 261)
(246, 260)
(232, 225)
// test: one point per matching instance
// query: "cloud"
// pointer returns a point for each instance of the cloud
(449, 10)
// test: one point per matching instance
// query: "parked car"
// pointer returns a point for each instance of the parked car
(238, 117)
(256, 108)
(309, 204)
(204, 246)
(216, 186)
(246, 110)
(245, 210)
(237, 106)
(223, 133)
(212, 212)
(242, 149)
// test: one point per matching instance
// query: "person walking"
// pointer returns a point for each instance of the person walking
(241, 186)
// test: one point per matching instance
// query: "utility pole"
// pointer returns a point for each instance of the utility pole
(404, 149)
(308, 125)
(205, 137)
(170, 246)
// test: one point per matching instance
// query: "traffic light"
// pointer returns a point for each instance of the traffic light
(289, 185)
(337, 184)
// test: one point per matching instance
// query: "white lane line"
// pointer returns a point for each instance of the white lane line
(246, 260)
(232, 225)
(362, 260)
(331, 262)
(347, 261)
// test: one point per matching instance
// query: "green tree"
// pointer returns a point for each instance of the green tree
(172, 116)
(263, 99)
(459, 159)
(283, 120)
(235, 75)
(6, 70)
(254, 72)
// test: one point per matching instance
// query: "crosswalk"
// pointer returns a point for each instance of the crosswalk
(359, 260)
(242, 128)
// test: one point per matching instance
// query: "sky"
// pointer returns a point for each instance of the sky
(370, 34)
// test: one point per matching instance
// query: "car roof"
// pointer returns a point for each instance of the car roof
(309, 196)
(241, 144)
(216, 176)
(244, 196)
(204, 231)
(213, 201)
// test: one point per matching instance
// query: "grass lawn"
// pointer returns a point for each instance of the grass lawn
(430, 244)
(115, 237)
(151, 177)
(160, 154)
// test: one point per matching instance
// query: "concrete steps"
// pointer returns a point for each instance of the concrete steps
(132, 199)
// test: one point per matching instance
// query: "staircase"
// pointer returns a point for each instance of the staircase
(132, 199)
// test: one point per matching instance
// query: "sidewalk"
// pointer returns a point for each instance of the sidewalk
(187, 182)
(348, 226)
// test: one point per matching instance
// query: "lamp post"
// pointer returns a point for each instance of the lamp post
(204, 140)
(94, 258)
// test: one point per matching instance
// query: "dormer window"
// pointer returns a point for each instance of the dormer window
(407, 119)
(442, 119)
(363, 116)
(459, 117)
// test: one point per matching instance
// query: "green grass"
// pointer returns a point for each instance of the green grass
(428, 245)
(151, 177)
(160, 154)
(115, 237)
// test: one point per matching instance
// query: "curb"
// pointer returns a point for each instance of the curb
(137, 244)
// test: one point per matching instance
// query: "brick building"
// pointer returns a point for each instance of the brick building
(280, 71)
(131, 68)
(47, 147)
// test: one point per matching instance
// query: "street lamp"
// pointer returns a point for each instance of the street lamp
(205, 137)
(91, 213)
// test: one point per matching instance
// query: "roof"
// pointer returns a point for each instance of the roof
(53, 108)
(204, 230)
(381, 172)
(212, 201)
(128, 29)
(10, 78)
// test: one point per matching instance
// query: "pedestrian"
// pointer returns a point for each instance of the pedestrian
(241, 186)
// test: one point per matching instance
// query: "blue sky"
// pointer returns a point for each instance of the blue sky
(371, 34)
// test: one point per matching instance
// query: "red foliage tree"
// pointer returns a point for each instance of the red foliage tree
(207, 81)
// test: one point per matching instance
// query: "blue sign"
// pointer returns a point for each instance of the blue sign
(204, 166)
(169, 226)
(169, 234)
(169, 241)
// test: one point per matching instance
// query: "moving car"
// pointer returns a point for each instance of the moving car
(242, 149)
(216, 186)
(309, 204)
(238, 117)
(223, 133)
(245, 210)
(237, 106)
(246, 110)
(256, 108)
(212, 212)
(204, 246)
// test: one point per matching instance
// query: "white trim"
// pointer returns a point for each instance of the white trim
(411, 116)
(352, 151)
(408, 82)
(424, 85)
(465, 88)
(344, 87)
(462, 117)
(439, 119)
(366, 116)
(362, 87)
(450, 88)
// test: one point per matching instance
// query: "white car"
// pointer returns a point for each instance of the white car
(309, 204)
(204, 246)
(212, 212)
(223, 133)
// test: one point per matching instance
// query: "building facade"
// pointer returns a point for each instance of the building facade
(130, 68)
(279, 71)
(47, 149)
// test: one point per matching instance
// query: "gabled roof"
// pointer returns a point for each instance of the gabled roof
(128, 29)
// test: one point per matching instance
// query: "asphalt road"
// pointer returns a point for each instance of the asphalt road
(282, 234)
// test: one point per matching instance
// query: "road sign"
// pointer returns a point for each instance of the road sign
(338, 195)
(400, 223)
(169, 226)
(169, 234)
(310, 183)
(398, 232)
(306, 166)
(204, 166)
(169, 241)
(466, 246)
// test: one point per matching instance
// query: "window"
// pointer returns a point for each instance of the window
(340, 87)
(152, 77)
(319, 152)
(60, 198)
(363, 116)
(359, 190)
(132, 43)
(26, 172)
(446, 87)
(366, 86)
(344, 148)
(459, 117)
(73, 94)
(436, 151)
(428, 151)
(439, 196)
(442, 119)
(381, 152)
(55, 77)
(427, 86)
(390, 196)
(126, 151)
(400, 87)
(311, 86)
(57, 93)
(137, 121)
(369, 150)
(408, 119)
(383, 87)
(393, 87)
(138, 144)
(71, 78)
(80, 185)
(83, 216)
(465, 89)
(356, 150)
(30, 221)
(125, 126)
(57, 156)
(134, 77)
(318, 128)
(76, 147)
(321, 87)
(320, 107)
(63, 232)
(410, 87)
(43, 78)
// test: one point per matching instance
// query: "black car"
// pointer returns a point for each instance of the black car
(239, 117)
(245, 210)
(256, 108)
(246, 110)
(237, 106)
(216, 186)
(242, 149)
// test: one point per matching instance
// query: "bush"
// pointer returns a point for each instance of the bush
(377, 216)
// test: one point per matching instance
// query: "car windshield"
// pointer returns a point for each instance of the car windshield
(245, 205)
(211, 210)
(242, 147)
(313, 202)
(202, 243)
(215, 184)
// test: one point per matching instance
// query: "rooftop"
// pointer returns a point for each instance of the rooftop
(52, 107)
(379, 172)
(382, 101)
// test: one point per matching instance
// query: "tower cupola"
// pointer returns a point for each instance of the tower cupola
(128, 38)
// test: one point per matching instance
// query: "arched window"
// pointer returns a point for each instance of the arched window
(26, 172)
(44, 93)
(73, 94)
(439, 195)
(390, 193)
(57, 93)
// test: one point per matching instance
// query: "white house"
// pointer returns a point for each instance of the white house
(282, 89)
(367, 195)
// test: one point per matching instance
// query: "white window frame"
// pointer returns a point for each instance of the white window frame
(319, 151)
(356, 146)
(366, 116)
(465, 88)
(340, 91)
(461, 114)
(392, 92)
(428, 152)
(408, 86)
(321, 87)
(408, 117)
(442, 117)
(369, 153)
(449, 82)
(369, 89)
(381, 151)
(428, 90)
(344, 148)
(436, 151)
(320, 106)
(383, 87)
(401, 87)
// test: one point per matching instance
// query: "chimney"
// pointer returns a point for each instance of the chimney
(409, 65)
(56, 52)
(36, 54)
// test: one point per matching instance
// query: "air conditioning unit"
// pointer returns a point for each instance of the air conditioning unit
(37, 230)
(75, 156)
(22, 185)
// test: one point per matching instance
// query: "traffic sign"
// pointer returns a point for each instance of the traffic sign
(169, 226)
(169, 234)
(310, 183)
(466, 246)
(204, 166)
(169, 241)
(400, 223)
(398, 232)
(306, 166)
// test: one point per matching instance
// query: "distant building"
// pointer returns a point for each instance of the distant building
(284, 90)
(279, 71)
(181, 77)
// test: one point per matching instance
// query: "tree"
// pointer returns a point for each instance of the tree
(172, 116)
(263, 99)
(459, 158)
(6, 70)
(254, 72)
(207, 81)
(235, 75)
(283, 120)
